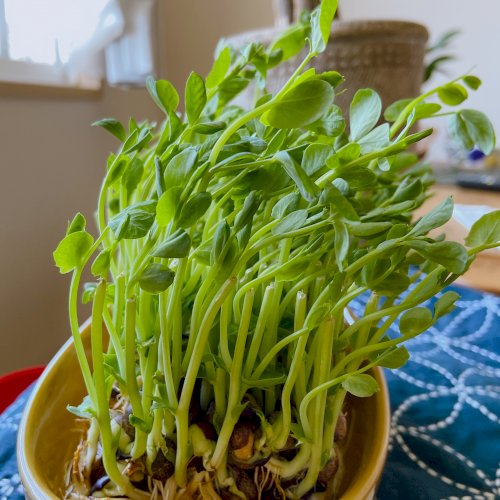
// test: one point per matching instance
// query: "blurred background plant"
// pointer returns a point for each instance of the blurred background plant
(438, 55)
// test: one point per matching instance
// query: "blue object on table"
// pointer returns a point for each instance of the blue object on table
(445, 411)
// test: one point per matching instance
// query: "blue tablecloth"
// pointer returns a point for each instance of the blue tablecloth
(446, 412)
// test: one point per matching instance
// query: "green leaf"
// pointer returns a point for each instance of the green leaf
(163, 93)
(361, 386)
(393, 358)
(485, 231)
(112, 126)
(246, 213)
(71, 251)
(180, 167)
(445, 304)
(100, 266)
(196, 97)
(480, 129)
(395, 210)
(221, 236)
(156, 278)
(219, 69)
(285, 205)
(364, 113)
(334, 78)
(415, 321)
(159, 177)
(291, 222)
(375, 271)
(167, 206)
(426, 287)
(291, 41)
(89, 290)
(457, 129)
(88, 293)
(397, 231)
(452, 94)
(473, 82)
(426, 110)
(303, 104)
(248, 144)
(341, 243)
(384, 164)
(231, 87)
(305, 185)
(209, 128)
(321, 22)
(117, 169)
(393, 285)
(315, 157)
(137, 141)
(134, 221)
(437, 217)
(267, 179)
(369, 228)
(133, 175)
(112, 368)
(409, 189)
(450, 254)
(131, 140)
(392, 112)
(194, 209)
(84, 410)
(140, 423)
(332, 124)
(77, 224)
(338, 201)
(173, 126)
(357, 176)
(375, 140)
(175, 246)
(349, 152)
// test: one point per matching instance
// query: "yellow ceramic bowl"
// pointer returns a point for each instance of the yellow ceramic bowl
(47, 435)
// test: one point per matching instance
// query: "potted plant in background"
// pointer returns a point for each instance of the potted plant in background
(231, 243)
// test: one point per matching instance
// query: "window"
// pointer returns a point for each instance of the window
(57, 42)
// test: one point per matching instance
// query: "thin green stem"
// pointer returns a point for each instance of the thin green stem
(293, 372)
(235, 389)
(260, 328)
(195, 360)
(131, 377)
(103, 417)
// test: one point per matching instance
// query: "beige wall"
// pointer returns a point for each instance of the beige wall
(193, 27)
(51, 163)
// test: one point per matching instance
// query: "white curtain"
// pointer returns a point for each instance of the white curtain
(105, 24)
(130, 58)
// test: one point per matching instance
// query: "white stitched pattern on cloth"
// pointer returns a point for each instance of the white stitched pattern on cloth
(443, 397)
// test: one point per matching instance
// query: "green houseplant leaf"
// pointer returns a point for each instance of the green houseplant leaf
(302, 105)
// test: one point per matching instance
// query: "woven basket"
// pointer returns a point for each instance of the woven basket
(387, 56)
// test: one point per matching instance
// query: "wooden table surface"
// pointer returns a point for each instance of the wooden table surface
(484, 273)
